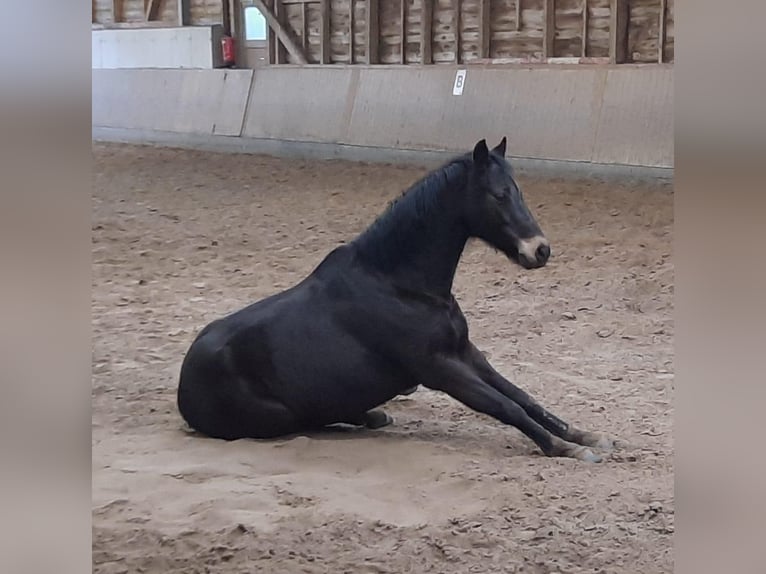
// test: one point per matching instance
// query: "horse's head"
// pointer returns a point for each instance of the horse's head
(496, 211)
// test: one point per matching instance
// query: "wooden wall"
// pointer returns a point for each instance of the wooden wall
(455, 31)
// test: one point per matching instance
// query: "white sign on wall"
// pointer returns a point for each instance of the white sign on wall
(457, 89)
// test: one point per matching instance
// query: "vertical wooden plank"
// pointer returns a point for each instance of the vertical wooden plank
(280, 55)
(584, 53)
(184, 12)
(305, 28)
(663, 33)
(373, 31)
(426, 31)
(484, 29)
(456, 9)
(232, 6)
(618, 31)
(324, 28)
(518, 15)
(549, 28)
(271, 38)
(403, 31)
(113, 12)
(350, 31)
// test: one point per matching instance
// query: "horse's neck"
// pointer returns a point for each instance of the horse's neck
(423, 255)
(430, 267)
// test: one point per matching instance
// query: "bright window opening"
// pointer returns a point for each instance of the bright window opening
(255, 24)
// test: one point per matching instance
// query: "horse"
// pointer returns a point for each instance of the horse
(376, 319)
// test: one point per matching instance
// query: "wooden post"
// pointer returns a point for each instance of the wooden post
(661, 39)
(305, 28)
(518, 15)
(618, 31)
(350, 31)
(271, 39)
(184, 12)
(279, 55)
(584, 53)
(324, 29)
(282, 34)
(114, 11)
(549, 28)
(426, 32)
(484, 28)
(373, 32)
(403, 32)
(230, 14)
(456, 7)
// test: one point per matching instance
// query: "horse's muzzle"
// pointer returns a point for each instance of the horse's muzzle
(534, 252)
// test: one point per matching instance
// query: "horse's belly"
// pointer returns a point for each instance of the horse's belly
(326, 373)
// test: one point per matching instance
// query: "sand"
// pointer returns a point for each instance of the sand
(181, 238)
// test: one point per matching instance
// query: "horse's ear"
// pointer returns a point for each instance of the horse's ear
(481, 153)
(500, 149)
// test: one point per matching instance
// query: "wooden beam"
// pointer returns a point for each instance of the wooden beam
(280, 56)
(114, 11)
(230, 28)
(584, 53)
(484, 28)
(456, 9)
(518, 15)
(426, 32)
(549, 28)
(350, 31)
(305, 27)
(184, 12)
(151, 10)
(663, 32)
(271, 40)
(618, 31)
(324, 32)
(403, 31)
(282, 34)
(373, 31)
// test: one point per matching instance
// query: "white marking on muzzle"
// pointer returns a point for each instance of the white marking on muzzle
(528, 247)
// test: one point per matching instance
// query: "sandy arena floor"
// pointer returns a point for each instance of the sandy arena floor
(182, 237)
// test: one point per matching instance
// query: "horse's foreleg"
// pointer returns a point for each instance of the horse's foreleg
(460, 381)
(536, 411)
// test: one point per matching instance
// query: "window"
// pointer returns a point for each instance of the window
(255, 24)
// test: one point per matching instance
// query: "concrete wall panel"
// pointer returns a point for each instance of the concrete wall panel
(300, 104)
(635, 125)
(184, 101)
(175, 47)
(605, 115)
(545, 113)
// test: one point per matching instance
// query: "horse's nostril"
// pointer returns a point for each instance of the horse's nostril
(543, 252)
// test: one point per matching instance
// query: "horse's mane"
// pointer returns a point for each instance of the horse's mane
(387, 239)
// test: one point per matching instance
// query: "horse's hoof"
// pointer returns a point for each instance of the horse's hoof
(409, 391)
(572, 450)
(599, 441)
(377, 419)
(586, 455)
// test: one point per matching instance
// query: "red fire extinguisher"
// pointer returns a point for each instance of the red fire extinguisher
(227, 49)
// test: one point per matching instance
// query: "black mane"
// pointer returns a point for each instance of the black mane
(388, 238)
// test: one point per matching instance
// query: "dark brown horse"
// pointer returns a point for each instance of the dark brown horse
(376, 318)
